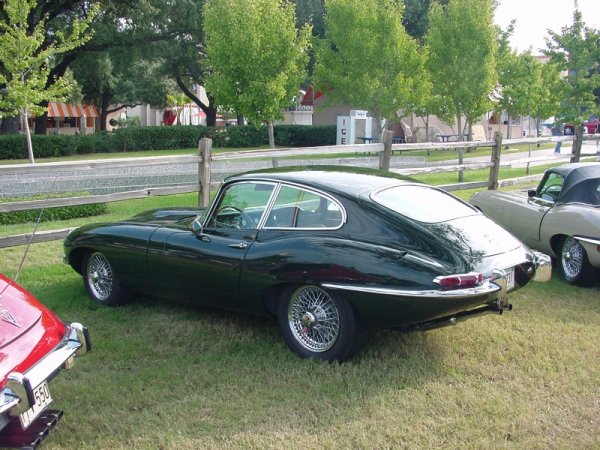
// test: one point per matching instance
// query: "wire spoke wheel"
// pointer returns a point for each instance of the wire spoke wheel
(314, 318)
(572, 258)
(101, 280)
(574, 266)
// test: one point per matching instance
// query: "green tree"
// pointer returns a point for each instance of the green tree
(378, 67)
(462, 62)
(575, 51)
(259, 73)
(547, 92)
(114, 80)
(416, 16)
(26, 58)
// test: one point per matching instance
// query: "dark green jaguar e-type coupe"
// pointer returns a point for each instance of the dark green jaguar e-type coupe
(328, 250)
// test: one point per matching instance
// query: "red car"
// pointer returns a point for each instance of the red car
(590, 127)
(35, 345)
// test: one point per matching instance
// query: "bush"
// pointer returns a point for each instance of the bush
(305, 135)
(164, 138)
(44, 146)
(50, 214)
(157, 138)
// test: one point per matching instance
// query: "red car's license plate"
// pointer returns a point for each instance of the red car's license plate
(510, 279)
(42, 399)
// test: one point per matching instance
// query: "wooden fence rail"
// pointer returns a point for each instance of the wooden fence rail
(204, 158)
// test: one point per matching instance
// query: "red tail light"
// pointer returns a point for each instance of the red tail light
(460, 281)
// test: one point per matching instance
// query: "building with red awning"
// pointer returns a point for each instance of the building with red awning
(66, 118)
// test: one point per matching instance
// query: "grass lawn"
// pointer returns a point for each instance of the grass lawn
(174, 376)
(166, 376)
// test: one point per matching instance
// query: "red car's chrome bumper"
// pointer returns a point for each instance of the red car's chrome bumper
(18, 394)
(543, 267)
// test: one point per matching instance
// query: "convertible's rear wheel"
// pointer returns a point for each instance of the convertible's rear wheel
(318, 324)
(101, 281)
(574, 266)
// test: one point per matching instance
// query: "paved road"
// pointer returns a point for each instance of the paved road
(119, 180)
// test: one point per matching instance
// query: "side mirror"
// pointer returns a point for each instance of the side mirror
(531, 193)
(197, 226)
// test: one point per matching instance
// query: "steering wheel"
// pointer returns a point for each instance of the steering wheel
(243, 219)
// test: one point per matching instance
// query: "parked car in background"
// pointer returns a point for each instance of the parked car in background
(35, 345)
(591, 126)
(561, 217)
(327, 250)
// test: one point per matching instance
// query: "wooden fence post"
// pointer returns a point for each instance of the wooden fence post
(495, 168)
(461, 160)
(577, 144)
(386, 155)
(204, 151)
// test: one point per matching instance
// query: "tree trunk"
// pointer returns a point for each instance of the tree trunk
(461, 136)
(211, 115)
(240, 119)
(28, 137)
(210, 110)
(9, 125)
(41, 124)
(426, 128)
(104, 106)
(271, 134)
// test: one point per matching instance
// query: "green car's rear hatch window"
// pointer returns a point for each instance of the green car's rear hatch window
(422, 203)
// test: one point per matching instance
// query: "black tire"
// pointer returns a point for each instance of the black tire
(573, 263)
(318, 324)
(100, 280)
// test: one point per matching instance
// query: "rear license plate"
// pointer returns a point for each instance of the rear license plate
(41, 395)
(510, 278)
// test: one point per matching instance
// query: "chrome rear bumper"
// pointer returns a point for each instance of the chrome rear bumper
(18, 395)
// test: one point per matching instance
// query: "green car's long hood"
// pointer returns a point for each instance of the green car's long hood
(165, 216)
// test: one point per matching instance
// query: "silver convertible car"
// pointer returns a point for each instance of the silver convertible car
(561, 218)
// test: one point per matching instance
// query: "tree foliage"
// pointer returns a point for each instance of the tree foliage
(26, 58)
(575, 51)
(378, 67)
(256, 57)
(416, 16)
(462, 56)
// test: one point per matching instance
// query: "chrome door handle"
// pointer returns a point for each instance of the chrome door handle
(241, 245)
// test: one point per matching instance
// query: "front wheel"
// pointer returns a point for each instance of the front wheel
(574, 266)
(318, 324)
(100, 280)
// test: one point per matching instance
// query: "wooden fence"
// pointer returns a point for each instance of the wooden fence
(205, 158)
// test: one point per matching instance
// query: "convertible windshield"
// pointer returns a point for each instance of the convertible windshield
(422, 203)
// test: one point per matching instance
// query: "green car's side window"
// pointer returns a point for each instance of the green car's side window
(299, 208)
(242, 205)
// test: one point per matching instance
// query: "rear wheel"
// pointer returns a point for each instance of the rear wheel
(101, 281)
(574, 266)
(318, 324)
